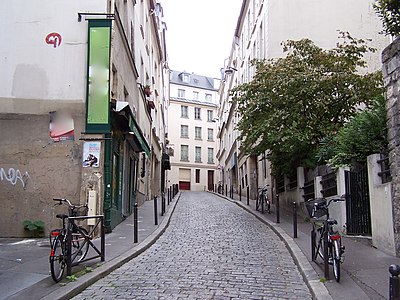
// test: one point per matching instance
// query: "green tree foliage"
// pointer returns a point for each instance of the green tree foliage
(389, 12)
(363, 135)
(293, 102)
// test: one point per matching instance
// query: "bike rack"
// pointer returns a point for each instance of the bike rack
(101, 252)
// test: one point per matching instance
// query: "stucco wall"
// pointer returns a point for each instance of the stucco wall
(34, 170)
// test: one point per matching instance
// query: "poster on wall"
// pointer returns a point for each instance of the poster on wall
(61, 126)
(91, 154)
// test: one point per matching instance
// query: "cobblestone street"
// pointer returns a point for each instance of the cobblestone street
(212, 249)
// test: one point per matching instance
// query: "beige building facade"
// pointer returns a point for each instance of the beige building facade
(75, 119)
(261, 28)
(192, 131)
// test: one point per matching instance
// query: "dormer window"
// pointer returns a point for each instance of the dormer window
(185, 77)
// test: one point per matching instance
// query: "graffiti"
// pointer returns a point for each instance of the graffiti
(14, 176)
(54, 39)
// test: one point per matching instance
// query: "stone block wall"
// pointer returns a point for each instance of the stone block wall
(391, 74)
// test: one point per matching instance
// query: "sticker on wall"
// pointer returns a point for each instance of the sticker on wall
(91, 154)
(54, 39)
(61, 126)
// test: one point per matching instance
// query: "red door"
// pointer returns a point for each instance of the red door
(184, 185)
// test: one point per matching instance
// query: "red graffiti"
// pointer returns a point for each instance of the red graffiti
(54, 39)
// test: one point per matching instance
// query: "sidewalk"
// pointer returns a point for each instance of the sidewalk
(365, 272)
(24, 263)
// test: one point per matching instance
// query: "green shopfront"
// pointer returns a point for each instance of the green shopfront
(111, 123)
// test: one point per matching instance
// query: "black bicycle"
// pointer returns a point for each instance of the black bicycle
(319, 208)
(78, 246)
(263, 202)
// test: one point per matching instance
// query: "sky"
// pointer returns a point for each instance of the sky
(199, 34)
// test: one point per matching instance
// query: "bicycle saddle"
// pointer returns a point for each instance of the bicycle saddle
(332, 221)
(62, 216)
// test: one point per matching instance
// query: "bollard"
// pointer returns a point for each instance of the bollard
(135, 223)
(162, 204)
(226, 190)
(394, 287)
(240, 193)
(326, 259)
(231, 191)
(155, 211)
(294, 220)
(278, 217)
(248, 192)
(313, 243)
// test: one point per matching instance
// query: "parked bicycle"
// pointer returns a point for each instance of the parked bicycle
(262, 200)
(318, 208)
(78, 246)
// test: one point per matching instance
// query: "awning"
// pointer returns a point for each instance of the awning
(134, 133)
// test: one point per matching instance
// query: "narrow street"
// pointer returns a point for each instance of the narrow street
(212, 249)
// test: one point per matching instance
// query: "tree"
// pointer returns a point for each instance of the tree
(389, 12)
(363, 135)
(293, 102)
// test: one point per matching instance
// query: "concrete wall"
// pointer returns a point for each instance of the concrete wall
(381, 208)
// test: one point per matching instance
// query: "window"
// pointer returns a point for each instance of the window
(195, 95)
(185, 78)
(210, 134)
(184, 131)
(181, 93)
(208, 97)
(197, 133)
(210, 155)
(197, 154)
(197, 175)
(210, 115)
(184, 152)
(197, 113)
(184, 111)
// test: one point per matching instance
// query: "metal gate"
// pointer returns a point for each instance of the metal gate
(358, 215)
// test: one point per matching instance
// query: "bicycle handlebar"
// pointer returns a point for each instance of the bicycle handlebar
(68, 203)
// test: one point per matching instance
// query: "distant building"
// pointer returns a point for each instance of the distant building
(192, 131)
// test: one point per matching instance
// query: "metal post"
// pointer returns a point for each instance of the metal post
(394, 286)
(326, 259)
(240, 193)
(69, 244)
(155, 211)
(294, 220)
(162, 204)
(103, 239)
(231, 191)
(313, 243)
(226, 190)
(248, 192)
(278, 217)
(135, 223)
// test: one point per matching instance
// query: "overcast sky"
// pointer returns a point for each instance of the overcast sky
(200, 34)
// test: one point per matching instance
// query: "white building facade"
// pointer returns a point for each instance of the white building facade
(261, 28)
(192, 131)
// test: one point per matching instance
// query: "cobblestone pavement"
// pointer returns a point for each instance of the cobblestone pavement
(212, 249)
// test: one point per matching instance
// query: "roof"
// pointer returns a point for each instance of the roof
(195, 80)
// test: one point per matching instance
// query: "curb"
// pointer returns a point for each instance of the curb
(74, 288)
(310, 277)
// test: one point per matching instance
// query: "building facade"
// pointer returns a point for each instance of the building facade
(192, 131)
(261, 28)
(74, 115)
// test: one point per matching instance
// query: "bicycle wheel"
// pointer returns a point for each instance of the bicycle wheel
(80, 246)
(336, 260)
(320, 247)
(313, 244)
(258, 202)
(57, 259)
(262, 202)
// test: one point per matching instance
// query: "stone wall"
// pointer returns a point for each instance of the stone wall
(391, 73)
